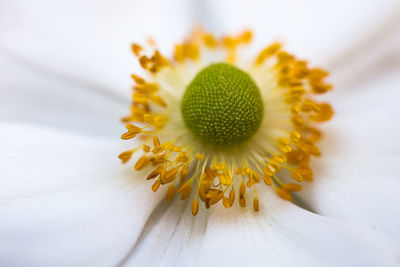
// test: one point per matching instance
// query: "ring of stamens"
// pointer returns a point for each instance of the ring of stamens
(278, 152)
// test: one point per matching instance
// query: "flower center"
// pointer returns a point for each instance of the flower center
(222, 105)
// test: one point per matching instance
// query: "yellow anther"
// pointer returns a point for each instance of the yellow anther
(284, 145)
(267, 179)
(218, 166)
(146, 148)
(242, 189)
(270, 169)
(147, 88)
(320, 88)
(283, 193)
(156, 141)
(256, 206)
(179, 54)
(239, 171)
(231, 197)
(136, 49)
(184, 172)
(144, 62)
(253, 175)
(139, 98)
(183, 186)
(325, 113)
(308, 106)
(192, 51)
(148, 118)
(137, 79)
(267, 52)
(132, 131)
(297, 90)
(279, 159)
(317, 74)
(284, 58)
(199, 156)
(297, 121)
(155, 186)
(225, 202)
(250, 182)
(293, 187)
(195, 206)
(186, 192)
(158, 100)
(217, 198)
(154, 173)
(202, 194)
(182, 157)
(157, 150)
(177, 149)
(170, 192)
(169, 175)
(126, 156)
(230, 42)
(212, 193)
(314, 150)
(225, 179)
(302, 174)
(295, 136)
(142, 162)
(242, 202)
(210, 173)
(210, 41)
(313, 134)
(246, 36)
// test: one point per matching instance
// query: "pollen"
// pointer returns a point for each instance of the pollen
(216, 127)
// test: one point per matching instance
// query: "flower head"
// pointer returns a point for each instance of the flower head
(213, 121)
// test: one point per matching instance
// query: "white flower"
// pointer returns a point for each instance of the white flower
(65, 199)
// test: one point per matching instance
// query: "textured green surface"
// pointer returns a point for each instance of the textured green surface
(222, 105)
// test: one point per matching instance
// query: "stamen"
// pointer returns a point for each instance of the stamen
(227, 127)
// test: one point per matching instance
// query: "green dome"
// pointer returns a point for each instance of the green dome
(222, 105)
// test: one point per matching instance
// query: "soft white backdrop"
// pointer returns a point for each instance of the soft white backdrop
(65, 199)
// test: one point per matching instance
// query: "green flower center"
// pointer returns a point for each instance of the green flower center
(222, 105)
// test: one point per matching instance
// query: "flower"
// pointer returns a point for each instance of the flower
(66, 200)
(221, 127)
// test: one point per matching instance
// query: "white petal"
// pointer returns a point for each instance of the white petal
(31, 94)
(67, 201)
(172, 236)
(356, 180)
(315, 30)
(281, 234)
(88, 39)
(68, 63)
